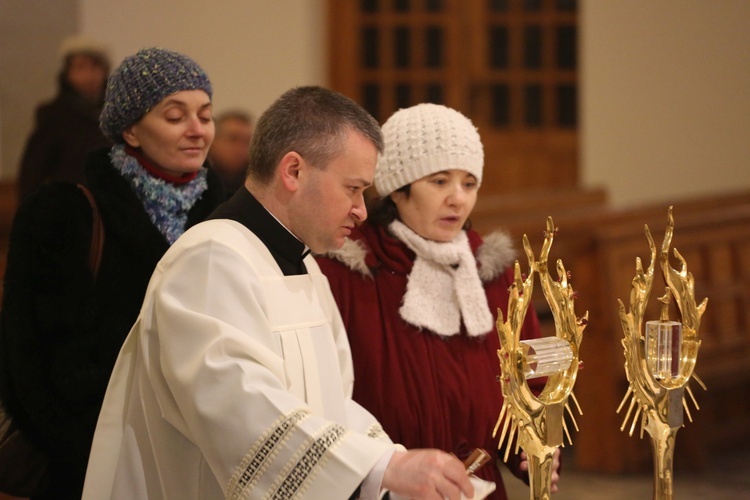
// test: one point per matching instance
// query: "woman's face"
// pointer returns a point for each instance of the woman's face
(439, 204)
(86, 75)
(176, 133)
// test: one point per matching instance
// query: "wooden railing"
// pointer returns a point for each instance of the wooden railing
(599, 247)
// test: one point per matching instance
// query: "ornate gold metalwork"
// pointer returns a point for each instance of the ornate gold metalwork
(660, 402)
(536, 423)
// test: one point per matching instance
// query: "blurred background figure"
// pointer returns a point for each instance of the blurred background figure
(67, 127)
(229, 155)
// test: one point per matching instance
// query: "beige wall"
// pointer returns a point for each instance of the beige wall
(30, 36)
(665, 86)
(665, 97)
(253, 50)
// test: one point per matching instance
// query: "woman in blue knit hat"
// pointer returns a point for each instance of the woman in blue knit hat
(64, 320)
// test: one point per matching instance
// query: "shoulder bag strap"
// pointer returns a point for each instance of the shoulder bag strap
(97, 234)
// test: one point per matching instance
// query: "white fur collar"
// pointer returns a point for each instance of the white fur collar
(352, 253)
(494, 255)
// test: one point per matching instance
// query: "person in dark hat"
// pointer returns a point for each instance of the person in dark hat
(62, 328)
(67, 127)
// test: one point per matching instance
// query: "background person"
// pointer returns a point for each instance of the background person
(229, 155)
(67, 128)
(238, 369)
(62, 329)
(418, 291)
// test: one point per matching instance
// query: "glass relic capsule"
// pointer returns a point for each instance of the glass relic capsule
(663, 345)
(545, 356)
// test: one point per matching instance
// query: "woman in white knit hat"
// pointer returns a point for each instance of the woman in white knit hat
(418, 292)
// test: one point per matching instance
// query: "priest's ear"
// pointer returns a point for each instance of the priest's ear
(291, 169)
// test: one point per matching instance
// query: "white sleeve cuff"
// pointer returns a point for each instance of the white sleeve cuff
(372, 484)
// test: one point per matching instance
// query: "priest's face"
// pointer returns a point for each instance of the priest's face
(437, 205)
(332, 198)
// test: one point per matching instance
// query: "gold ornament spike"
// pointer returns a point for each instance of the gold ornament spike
(687, 410)
(505, 429)
(499, 421)
(624, 399)
(537, 421)
(572, 417)
(510, 440)
(700, 382)
(635, 419)
(573, 397)
(567, 434)
(692, 397)
(660, 362)
(627, 415)
(643, 428)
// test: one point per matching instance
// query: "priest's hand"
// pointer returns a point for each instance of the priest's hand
(427, 474)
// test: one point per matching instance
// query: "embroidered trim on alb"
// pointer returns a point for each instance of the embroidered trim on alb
(297, 474)
(257, 458)
(376, 431)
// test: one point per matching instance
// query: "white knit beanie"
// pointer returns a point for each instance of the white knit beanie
(425, 139)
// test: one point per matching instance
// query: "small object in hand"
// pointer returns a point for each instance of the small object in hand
(478, 458)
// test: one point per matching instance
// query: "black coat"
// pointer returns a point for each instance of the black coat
(65, 131)
(61, 331)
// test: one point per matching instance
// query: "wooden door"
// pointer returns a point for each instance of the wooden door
(509, 65)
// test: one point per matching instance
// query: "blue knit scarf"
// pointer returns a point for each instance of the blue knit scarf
(166, 204)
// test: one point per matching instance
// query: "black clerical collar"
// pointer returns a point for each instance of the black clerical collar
(286, 249)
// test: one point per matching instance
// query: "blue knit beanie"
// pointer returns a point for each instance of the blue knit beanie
(142, 81)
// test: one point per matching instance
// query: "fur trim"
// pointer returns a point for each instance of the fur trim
(352, 254)
(495, 254)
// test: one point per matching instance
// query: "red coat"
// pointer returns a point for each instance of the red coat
(426, 390)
